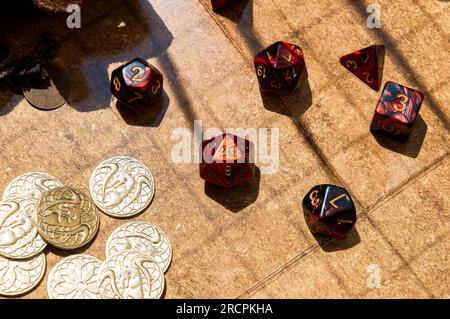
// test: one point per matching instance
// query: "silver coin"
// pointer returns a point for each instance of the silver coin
(20, 276)
(51, 94)
(142, 236)
(74, 277)
(32, 184)
(122, 186)
(19, 237)
(131, 275)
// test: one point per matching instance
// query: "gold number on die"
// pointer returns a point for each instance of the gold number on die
(261, 71)
(313, 197)
(137, 96)
(334, 200)
(137, 75)
(228, 170)
(156, 87)
(275, 85)
(116, 83)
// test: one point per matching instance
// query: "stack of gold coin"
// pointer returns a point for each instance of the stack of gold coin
(37, 210)
(137, 256)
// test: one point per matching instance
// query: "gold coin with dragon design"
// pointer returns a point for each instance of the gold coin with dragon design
(66, 218)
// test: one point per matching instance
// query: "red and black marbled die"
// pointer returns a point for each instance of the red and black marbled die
(397, 110)
(227, 160)
(366, 64)
(137, 83)
(219, 4)
(329, 210)
(279, 67)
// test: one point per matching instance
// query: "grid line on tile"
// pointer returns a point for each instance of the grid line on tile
(270, 277)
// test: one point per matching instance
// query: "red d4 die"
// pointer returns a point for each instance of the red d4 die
(279, 67)
(366, 64)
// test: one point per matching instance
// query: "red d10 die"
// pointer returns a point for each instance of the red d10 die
(219, 4)
(279, 67)
(136, 83)
(396, 110)
(329, 210)
(366, 64)
(227, 160)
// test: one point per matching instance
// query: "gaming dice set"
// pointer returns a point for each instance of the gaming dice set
(227, 160)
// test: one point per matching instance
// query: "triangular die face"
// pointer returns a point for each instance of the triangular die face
(283, 58)
(366, 64)
(227, 150)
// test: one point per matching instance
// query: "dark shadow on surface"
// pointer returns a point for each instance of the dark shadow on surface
(300, 99)
(411, 146)
(126, 30)
(329, 244)
(237, 198)
(350, 240)
(130, 31)
(7, 100)
(235, 10)
(19, 8)
(150, 115)
(241, 13)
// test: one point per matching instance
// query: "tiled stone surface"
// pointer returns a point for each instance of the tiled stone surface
(423, 212)
(407, 237)
(340, 107)
(346, 273)
(250, 241)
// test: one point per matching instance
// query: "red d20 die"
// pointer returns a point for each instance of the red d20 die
(136, 83)
(329, 210)
(227, 160)
(366, 64)
(397, 110)
(279, 67)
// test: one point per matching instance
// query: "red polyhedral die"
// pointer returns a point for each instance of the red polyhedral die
(227, 160)
(366, 64)
(397, 110)
(279, 67)
(137, 83)
(329, 210)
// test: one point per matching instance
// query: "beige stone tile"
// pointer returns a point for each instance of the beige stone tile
(422, 211)
(345, 273)
(401, 283)
(432, 267)
(437, 10)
